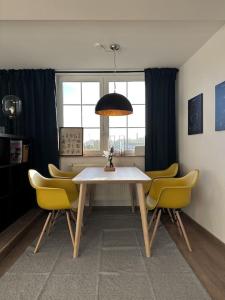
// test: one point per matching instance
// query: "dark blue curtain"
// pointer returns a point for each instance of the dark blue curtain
(36, 89)
(4, 90)
(160, 140)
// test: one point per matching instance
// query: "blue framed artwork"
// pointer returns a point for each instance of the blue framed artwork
(195, 115)
(220, 106)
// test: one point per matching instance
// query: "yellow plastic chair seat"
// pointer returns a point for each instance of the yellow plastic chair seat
(57, 173)
(172, 192)
(54, 193)
(151, 203)
(166, 173)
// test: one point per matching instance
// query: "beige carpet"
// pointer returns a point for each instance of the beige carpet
(111, 265)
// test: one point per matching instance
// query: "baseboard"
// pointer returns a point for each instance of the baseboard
(13, 233)
(211, 236)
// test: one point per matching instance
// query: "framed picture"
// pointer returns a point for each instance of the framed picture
(220, 106)
(71, 141)
(195, 115)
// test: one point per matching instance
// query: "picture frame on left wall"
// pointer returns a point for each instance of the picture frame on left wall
(195, 115)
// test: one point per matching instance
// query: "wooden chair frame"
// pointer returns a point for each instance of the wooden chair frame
(49, 223)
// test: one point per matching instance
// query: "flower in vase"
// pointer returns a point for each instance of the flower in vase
(109, 156)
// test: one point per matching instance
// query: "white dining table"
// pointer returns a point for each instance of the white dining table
(97, 175)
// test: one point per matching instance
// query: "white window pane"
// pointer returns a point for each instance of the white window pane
(137, 119)
(136, 137)
(89, 117)
(91, 139)
(121, 88)
(136, 92)
(117, 139)
(71, 93)
(90, 92)
(120, 121)
(72, 116)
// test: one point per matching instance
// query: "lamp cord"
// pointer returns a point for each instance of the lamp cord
(114, 55)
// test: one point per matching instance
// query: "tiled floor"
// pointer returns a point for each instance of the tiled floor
(111, 265)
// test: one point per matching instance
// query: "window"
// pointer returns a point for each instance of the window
(77, 97)
(126, 132)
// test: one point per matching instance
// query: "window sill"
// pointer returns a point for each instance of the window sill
(115, 156)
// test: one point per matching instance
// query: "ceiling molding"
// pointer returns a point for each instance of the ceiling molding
(133, 10)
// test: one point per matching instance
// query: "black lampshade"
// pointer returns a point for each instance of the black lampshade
(113, 104)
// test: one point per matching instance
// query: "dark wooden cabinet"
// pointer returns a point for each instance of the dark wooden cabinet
(16, 194)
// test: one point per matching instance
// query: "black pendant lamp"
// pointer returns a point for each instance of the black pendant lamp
(114, 104)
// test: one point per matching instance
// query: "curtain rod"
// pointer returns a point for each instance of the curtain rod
(98, 72)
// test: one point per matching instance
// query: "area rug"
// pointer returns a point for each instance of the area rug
(111, 265)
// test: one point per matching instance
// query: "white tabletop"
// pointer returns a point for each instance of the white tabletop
(121, 174)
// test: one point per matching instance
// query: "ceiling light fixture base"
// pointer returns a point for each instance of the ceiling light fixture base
(114, 47)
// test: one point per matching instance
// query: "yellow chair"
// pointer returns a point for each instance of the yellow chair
(57, 173)
(54, 195)
(171, 193)
(169, 172)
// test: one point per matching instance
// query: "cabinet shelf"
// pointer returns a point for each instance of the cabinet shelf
(13, 136)
(13, 165)
(5, 196)
(16, 194)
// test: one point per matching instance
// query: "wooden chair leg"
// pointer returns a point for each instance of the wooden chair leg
(152, 218)
(55, 217)
(42, 232)
(155, 228)
(73, 217)
(183, 231)
(171, 217)
(177, 222)
(50, 225)
(70, 227)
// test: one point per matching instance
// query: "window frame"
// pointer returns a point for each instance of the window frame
(103, 79)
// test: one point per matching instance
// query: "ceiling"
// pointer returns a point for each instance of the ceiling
(112, 10)
(61, 34)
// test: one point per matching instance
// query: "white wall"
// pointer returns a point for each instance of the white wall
(204, 151)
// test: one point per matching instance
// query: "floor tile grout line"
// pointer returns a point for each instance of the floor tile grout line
(122, 248)
(50, 273)
(147, 275)
(99, 265)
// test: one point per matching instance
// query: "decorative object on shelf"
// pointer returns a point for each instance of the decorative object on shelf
(16, 151)
(71, 141)
(2, 129)
(11, 106)
(25, 153)
(220, 106)
(109, 155)
(195, 115)
(113, 104)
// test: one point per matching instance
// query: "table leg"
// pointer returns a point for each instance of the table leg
(132, 197)
(80, 212)
(141, 199)
(91, 195)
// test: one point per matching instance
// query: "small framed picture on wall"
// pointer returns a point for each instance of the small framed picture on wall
(195, 115)
(220, 106)
(71, 141)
